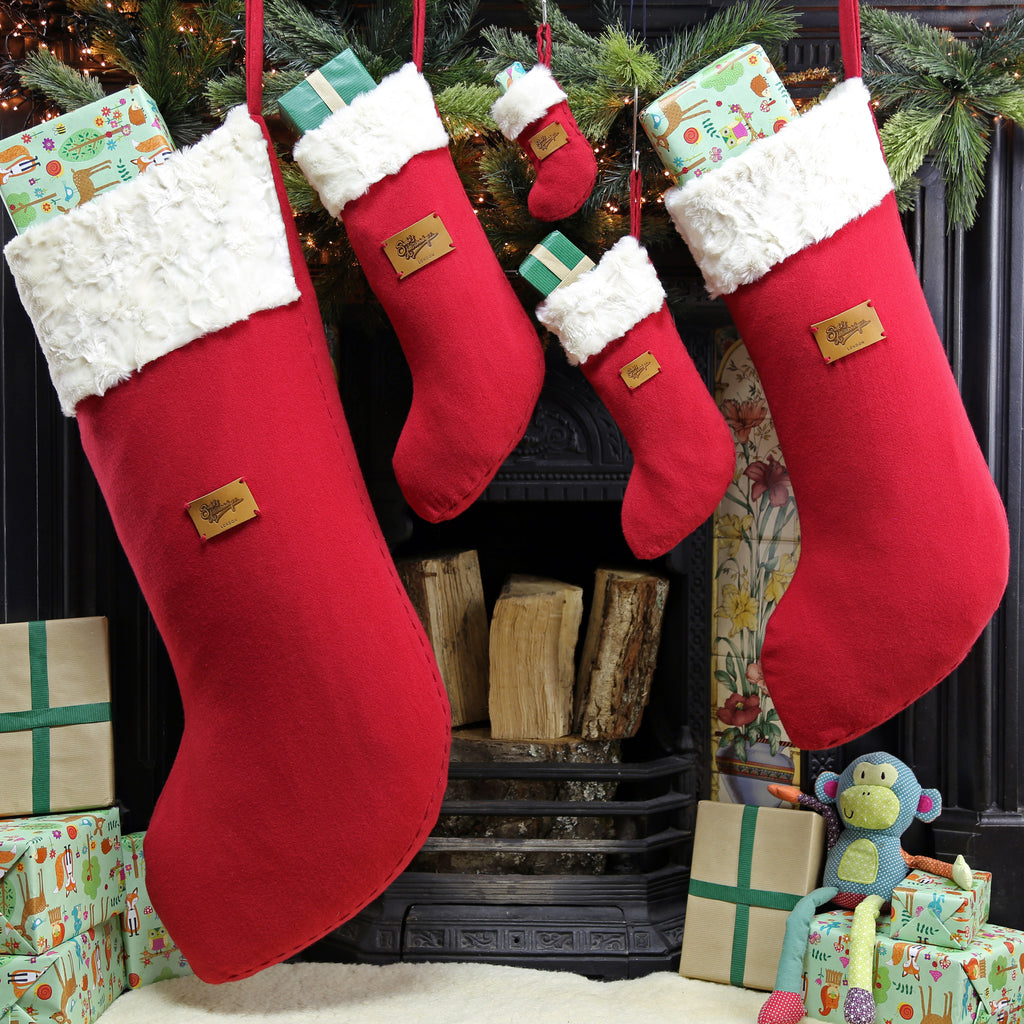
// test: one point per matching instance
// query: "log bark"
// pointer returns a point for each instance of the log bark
(613, 684)
(534, 630)
(448, 596)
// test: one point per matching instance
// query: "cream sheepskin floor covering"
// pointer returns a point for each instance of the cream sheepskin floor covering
(462, 993)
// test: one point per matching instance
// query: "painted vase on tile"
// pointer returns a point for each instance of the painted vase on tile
(747, 781)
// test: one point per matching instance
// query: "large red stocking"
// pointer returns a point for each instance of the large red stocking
(181, 328)
(904, 540)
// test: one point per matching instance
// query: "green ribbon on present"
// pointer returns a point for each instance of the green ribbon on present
(743, 896)
(41, 718)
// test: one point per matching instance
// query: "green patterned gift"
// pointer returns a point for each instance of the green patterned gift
(56, 735)
(929, 908)
(73, 983)
(61, 875)
(326, 90)
(150, 953)
(70, 160)
(554, 261)
(717, 113)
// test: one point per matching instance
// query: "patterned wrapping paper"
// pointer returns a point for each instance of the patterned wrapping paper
(717, 113)
(72, 983)
(150, 953)
(750, 866)
(56, 734)
(916, 983)
(931, 909)
(61, 876)
(69, 160)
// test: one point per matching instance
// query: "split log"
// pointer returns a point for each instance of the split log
(619, 653)
(534, 630)
(448, 596)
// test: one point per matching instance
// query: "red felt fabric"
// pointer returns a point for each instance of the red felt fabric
(314, 755)
(683, 452)
(565, 178)
(474, 355)
(904, 540)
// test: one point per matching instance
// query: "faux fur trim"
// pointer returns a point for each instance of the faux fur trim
(527, 99)
(376, 135)
(783, 193)
(600, 306)
(184, 250)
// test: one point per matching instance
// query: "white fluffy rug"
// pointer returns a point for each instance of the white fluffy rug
(464, 993)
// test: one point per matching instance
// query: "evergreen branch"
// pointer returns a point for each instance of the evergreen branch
(296, 37)
(626, 62)
(596, 110)
(43, 73)
(961, 155)
(465, 109)
(907, 138)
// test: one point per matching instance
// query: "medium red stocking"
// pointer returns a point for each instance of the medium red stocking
(614, 321)
(383, 165)
(534, 111)
(181, 328)
(904, 541)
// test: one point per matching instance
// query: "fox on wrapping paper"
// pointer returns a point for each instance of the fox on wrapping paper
(65, 868)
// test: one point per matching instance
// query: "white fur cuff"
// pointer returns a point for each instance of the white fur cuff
(784, 193)
(527, 99)
(600, 306)
(186, 249)
(376, 135)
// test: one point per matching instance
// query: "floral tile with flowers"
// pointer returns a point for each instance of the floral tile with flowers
(756, 549)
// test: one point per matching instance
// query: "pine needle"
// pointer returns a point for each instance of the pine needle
(43, 73)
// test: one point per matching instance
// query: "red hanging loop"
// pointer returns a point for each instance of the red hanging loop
(254, 57)
(419, 31)
(636, 191)
(544, 44)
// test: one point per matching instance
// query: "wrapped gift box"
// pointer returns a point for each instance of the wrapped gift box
(73, 983)
(56, 735)
(150, 953)
(62, 875)
(934, 910)
(554, 261)
(750, 867)
(914, 981)
(327, 89)
(64, 162)
(512, 73)
(717, 113)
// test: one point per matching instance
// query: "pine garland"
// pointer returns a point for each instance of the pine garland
(942, 95)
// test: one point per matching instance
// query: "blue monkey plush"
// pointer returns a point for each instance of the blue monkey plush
(867, 808)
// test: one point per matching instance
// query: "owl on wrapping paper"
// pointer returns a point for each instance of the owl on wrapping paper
(158, 942)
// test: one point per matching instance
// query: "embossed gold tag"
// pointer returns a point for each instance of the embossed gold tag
(849, 331)
(548, 141)
(418, 244)
(641, 369)
(218, 511)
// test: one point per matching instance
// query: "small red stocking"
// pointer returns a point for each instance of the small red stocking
(382, 164)
(534, 111)
(181, 328)
(904, 540)
(613, 320)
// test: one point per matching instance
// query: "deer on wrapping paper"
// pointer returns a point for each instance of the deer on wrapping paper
(31, 906)
(68, 987)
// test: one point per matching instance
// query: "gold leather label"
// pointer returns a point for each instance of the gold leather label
(220, 510)
(848, 332)
(549, 140)
(641, 369)
(418, 244)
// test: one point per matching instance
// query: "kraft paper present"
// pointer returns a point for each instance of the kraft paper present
(554, 261)
(717, 113)
(150, 953)
(69, 160)
(60, 875)
(931, 909)
(70, 984)
(915, 982)
(56, 734)
(327, 89)
(750, 867)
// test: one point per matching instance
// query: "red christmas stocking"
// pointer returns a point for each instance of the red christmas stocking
(613, 320)
(534, 112)
(382, 164)
(181, 328)
(895, 580)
